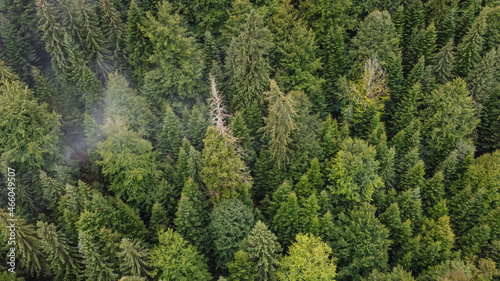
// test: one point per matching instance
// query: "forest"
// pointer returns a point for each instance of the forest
(233, 140)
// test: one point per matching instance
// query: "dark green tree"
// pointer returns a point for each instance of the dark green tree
(444, 64)
(171, 135)
(134, 258)
(137, 45)
(264, 251)
(470, 48)
(286, 222)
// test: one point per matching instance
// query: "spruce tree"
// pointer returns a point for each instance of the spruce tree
(175, 259)
(176, 78)
(286, 222)
(432, 193)
(62, 259)
(444, 64)
(360, 242)
(484, 78)
(247, 64)
(191, 216)
(197, 127)
(471, 46)
(171, 135)
(137, 45)
(279, 125)
(134, 258)
(407, 110)
(113, 29)
(436, 242)
(241, 268)
(446, 29)
(334, 66)
(309, 258)
(231, 222)
(263, 250)
(97, 266)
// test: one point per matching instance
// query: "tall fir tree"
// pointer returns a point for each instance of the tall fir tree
(264, 251)
(137, 45)
(444, 64)
(171, 135)
(470, 48)
(113, 30)
(134, 258)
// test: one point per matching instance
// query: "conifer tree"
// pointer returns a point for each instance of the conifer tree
(279, 125)
(178, 61)
(489, 127)
(286, 222)
(175, 259)
(436, 242)
(121, 100)
(449, 118)
(397, 273)
(263, 250)
(414, 177)
(360, 242)
(134, 258)
(231, 222)
(241, 268)
(429, 44)
(170, 137)
(299, 65)
(28, 246)
(444, 64)
(128, 161)
(432, 193)
(331, 136)
(352, 174)
(62, 259)
(279, 196)
(97, 267)
(395, 81)
(191, 216)
(484, 77)
(137, 45)
(469, 49)
(376, 37)
(334, 66)
(407, 110)
(197, 127)
(247, 57)
(113, 29)
(446, 29)
(158, 221)
(308, 259)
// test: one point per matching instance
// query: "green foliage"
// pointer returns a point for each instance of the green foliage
(128, 161)
(444, 64)
(334, 66)
(113, 28)
(134, 258)
(264, 251)
(286, 221)
(436, 242)
(191, 216)
(331, 136)
(308, 259)
(352, 174)
(170, 137)
(224, 173)
(470, 47)
(231, 221)
(279, 125)
(241, 268)
(137, 46)
(97, 266)
(62, 259)
(197, 127)
(175, 259)
(397, 274)
(176, 78)
(376, 37)
(449, 118)
(247, 57)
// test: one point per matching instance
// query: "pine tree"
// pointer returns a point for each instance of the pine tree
(444, 64)
(134, 258)
(413, 177)
(308, 259)
(286, 222)
(360, 242)
(175, 259)
(176, 79)
(263, 250)
(469, 49)
(432, 193)
(231, 221)
(62, 259)
(436, 242)
(137, 45)
(395, 81)
(191, 216)
(407, 109)
(197, 127)
(113, 29)
(247, 57)
(279, 125)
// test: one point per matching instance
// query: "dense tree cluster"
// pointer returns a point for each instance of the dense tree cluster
(251, 140)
